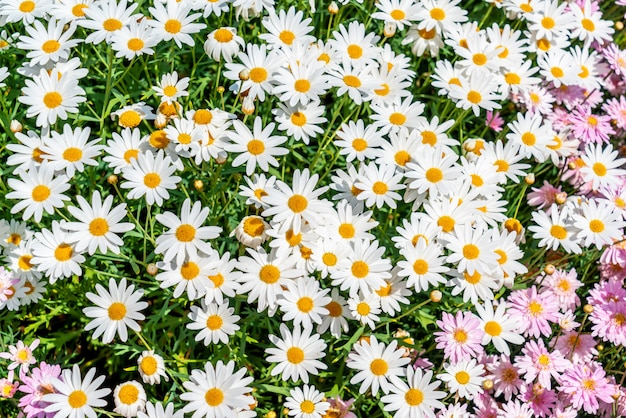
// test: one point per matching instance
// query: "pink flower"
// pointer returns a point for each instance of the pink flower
(590, 128)
(586, 386)
(505, 377)
(38, 384)
(21, 355)
(533, 311)
(563, 285)
(541, 363)
(494, 121)
(540, 399)
(616, 59)
(8, 386)
(544, 196)
(616, 110)
(340, 408)
(579, 347)
(609, 322)
(461, 336)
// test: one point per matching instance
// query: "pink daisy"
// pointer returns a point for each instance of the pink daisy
(541, 363)
(540, 399)
(494, 121)
(505, 377)
(543, 197)
(609, 322)
(460, 337)
(533, 311)
(589, 127)
(616, 59)
(563, 285)
(36, 386)
(581, 348)
(616, 110)
(21, 355)
(586, 386)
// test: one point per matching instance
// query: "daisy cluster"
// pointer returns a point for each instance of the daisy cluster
(327, 213)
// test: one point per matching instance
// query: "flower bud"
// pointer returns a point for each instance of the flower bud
(247, 105)
(560, 198)
(221, 159)
(588, 309)
(152, 269)
(198, 185)
(389, 29)
(530, 179)
(619, 25)
(333, 9)
(16, 126)
(112, 179)
(244, 74)
(220, 89)
(436, 296)
(488, 384)
(549, 269)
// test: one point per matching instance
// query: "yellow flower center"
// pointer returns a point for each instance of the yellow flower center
(346, 231)
(298, 118)
(437, 13)
(185, 233)
(223, 35)
(599, 169)
(112, 24)
(397, 118)
(334, 309)
(295, 355)
(360, 269)
(434, 175)
(77, 399)
(359, 144)
(307, 407)
(529, 139)
(189, 270)
(148, 365)
(558, 232)
(596, 225)
(535, 308)
(479, 59)
(117, 311)
(414, 397)
(302, 85)
(402, 157)
(512, 78)
(79, 10)
(253, 226)
(397, 14)
(269, 274)
(379, 367)
(420, 266)
(63, 252)
(217, 280)
(173, 26)
(297, 203)
(462, 377)
(214, 397)
(474, 97)
(355, 51)
(446, 223)
(329, 259)
(588, 25)
(363, 309)
(547, 22)
(557, 72)
(380, 188)
(429, 138)
(493, 328)
(256, 147)
(128, 394)
(72, 154)
(351, 81)
(24, 262)
(460, 336)
(214, 322)
(50, 46)
(287, 37)
(258, 74)
(151, 180)
(40, 193)
(305, 304)
(52, 99)
(98, 227)
(202, 117)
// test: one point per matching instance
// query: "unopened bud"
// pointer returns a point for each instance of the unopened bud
(513, 225)
(560, 198)
(16, 126)
(220, 89)
(160, 121)
(333, 9)
(221, 159)
(599, 347)
(199, 185)
(537, 389)
(244, 74)
(270, 414)
(436, 296)
(530, 179)
(152, 269)
(389, 29)
(247, 105)
(571, 165)
(617, 394)
(619, 25)
(112, 179)
(549, 269)
(588, 309)
(488, 384)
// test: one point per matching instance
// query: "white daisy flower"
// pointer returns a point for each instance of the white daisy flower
(464, 378)
(71, 151)
(173, 21)
(157, 411)
(215, 323)
(555, 229)
(218, 391)
(300, 82)
(376, 363)
(285, 29)
(54, 256)
(357, 141)
(151, 367)
(38, 189)
(260, 66)
(225, 280)
(379, 185)
(424, 265)
(48, 44)
(122, 149)
(499, 327)
(601, 167)
(170, 88)
(105, 17)
(75, 396)
(306, 402)
(364, 270)
(49, 97)
(25, 10)
(223, 43)
(186, 235)
(115, 310)
(134, 40)
(190, 276)
(301, 122)
(304, 302)
(297, 353)
(365, 309)
(417, 399)
(129, 398)
(151, 176)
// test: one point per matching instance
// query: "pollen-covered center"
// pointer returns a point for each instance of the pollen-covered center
(346, 230)
(152, 180)
(185, 233)
(302, 85)
(351, 81)
(446, 223)
(287, 37)
(420, 266)
(63, 252)
(258, 74)
(112, 24)
(128, 394)
(269, 274)
(189, 270)
(77, 399)
(471, 251)
(135, 44)
(72, 154)
(50, 46)
(98, 227)
(305, 304)
(295, 355)
(493, 328)
(437, 13)
(462, 377)
(52, 99)
(380, 187)
(360, 269)
(253, 226)
(148, 365)
(414, 397)
(223, 35)
(173, 26)
(307, 407)
(434, 175)
(297, 203)
(214, 397)
(214, 322)
(379, 367)
(117, 311)
(329, 259)
(558, 232)
(40, 193)
(298, 118)
(397, 118)
(599, 169)
(596, 225)
(474, 97)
